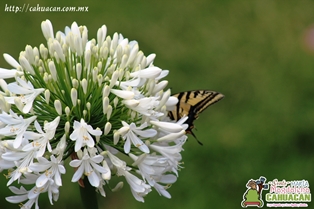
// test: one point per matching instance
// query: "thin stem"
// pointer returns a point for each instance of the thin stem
(88, 195)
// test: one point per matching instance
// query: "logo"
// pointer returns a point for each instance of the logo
(288, 193)
(282, 193)
(253, 194)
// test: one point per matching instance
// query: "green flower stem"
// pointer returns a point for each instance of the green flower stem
(88, 195)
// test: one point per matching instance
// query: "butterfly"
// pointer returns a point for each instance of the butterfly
(191, 104)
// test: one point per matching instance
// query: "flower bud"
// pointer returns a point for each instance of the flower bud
(53, 70)
(115, 101)
(47, 29)
(88, 105)
(101, 34)
(74, 96)
(124, 61)
(87, 60)
(75, 83)
(58, 106)
(67, 127)
(78, 70)
(43, 51)
(116, 137)
(150, 59)
(26, 65)
(106, 176)
(29, 54)
(105, 104)
(58, 49)
(84, 85)
(18, 103)
(100, 79)
(114, 78)
(107, 128)
(109, 111)
(67, 111)
(97, 136)
(11, 60)
(4, 106)
(47, 96)
(106, 91)
(133, 55)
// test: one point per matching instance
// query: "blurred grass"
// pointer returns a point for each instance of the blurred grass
(251, 51)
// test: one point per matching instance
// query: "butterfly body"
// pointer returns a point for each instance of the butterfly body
(191, 104)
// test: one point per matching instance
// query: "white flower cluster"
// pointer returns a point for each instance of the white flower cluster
(93, 101)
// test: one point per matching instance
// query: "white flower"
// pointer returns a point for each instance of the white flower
(117, 162)
(41, 139)
(22, 161)
(152, 168)
(162, 189)
(172, 153)
(15, 125)
(64, 93)
(133, 133)
(21, 196)
(32, 195)
(138, 187)
(53, 170)
(81, 134)
(89, 166)
(150, 165)
(50, 187)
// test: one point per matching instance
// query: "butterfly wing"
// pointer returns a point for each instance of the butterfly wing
(191, 104)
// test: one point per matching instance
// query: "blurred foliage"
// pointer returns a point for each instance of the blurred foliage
(252, 51)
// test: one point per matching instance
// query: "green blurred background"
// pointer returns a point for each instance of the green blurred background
(254, 52)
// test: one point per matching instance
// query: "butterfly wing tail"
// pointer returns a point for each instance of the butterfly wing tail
(191, 132)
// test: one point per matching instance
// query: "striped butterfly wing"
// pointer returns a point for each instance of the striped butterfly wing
(191, 104)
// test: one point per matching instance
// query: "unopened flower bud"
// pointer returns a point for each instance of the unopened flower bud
(58, 106)
(74, 96)
(109, 111)
(84, 85)
(47, 96)
(107, 128)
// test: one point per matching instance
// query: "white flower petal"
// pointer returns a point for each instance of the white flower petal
(78, 174)
(127, 146)
(123, 94)
(47, 29)
(171, 127)
(151, 72)
(150, 58)
(172, 136)
(11, 60)
(4, 73)
(97, 158)
(42, 180)
(75, 163)
(93, 179)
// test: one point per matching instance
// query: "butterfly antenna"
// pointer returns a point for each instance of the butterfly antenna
(196, 138)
